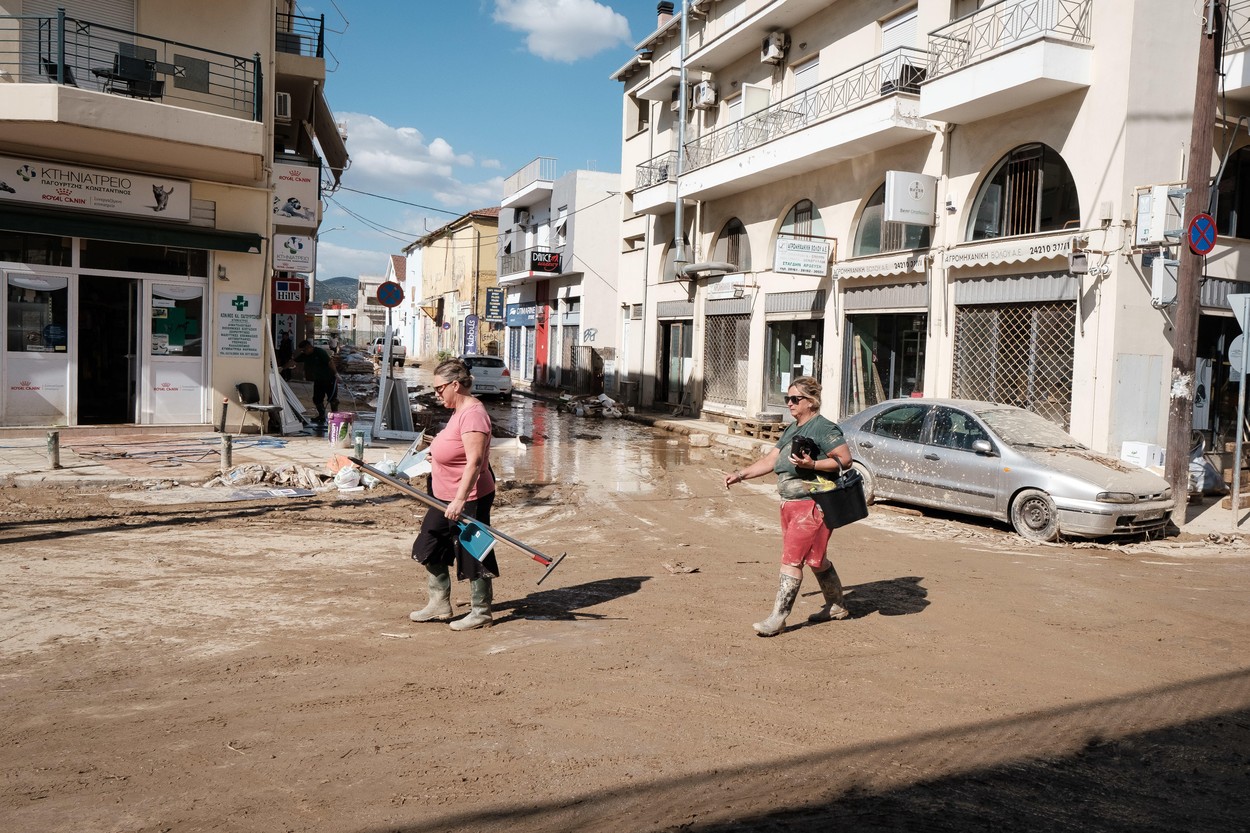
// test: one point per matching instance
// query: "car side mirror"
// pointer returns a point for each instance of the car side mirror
(983, 447)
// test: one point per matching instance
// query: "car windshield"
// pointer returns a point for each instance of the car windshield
(1017, 426)
(483, 362)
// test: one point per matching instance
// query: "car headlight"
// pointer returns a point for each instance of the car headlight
(1167, 494)
(1116, 497)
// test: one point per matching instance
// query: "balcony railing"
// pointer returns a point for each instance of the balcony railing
(1003, 26)
(92, 56)
(897, 71)
(542, 169)
(1236, 25)
(515, 262)
(662, 168)
(299, 35)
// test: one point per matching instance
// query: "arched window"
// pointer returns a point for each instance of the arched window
(802, 222)
(669, 272)
(876, 236)
(1030, 190)
(1232, 211)
(732, 246)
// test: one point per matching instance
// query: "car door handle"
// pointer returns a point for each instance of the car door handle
(865, 444)
(932, 457)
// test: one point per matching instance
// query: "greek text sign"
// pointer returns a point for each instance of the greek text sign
(494, 304)
(879, 266)
(238, 325)
(802, 257)
(1010, 251)
(294, 253)
(66, 185)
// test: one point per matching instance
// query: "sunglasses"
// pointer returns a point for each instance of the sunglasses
(793, 400)
(438, 389)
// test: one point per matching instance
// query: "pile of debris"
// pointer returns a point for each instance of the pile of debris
(285, 476)
(591, 406)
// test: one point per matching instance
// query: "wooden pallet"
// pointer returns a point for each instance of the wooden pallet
(755, 429)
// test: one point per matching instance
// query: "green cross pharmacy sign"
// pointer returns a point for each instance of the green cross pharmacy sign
(238, 326)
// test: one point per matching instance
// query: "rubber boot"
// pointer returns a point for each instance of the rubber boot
(831, 586)
(479, 609)
(438, 580)
(787, 592)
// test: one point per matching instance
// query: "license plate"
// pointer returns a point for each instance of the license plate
(1153, 514)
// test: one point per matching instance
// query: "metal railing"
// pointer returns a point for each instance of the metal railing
(92, 56)
(662, 168)
(900, 70)
(513, 262)
(1006, 25)
(542, 169)
(1236, 25)
(299, 35)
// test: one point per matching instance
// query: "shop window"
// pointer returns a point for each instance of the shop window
(35, 249)
(884, 358)
(38, 314)
(177, 320)
(876, 236)
(150, 260)
(1029, 191)
(802, 221)
(732, 246)
(794, 350)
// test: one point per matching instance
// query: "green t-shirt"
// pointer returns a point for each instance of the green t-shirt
(318, 367)
(798, 484)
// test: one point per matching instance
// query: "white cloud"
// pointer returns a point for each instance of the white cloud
(491, 164)
(564, 30)
(398, 158)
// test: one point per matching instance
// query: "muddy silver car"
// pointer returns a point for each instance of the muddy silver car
(1002, 462)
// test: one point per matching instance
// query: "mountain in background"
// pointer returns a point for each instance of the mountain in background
(342, 288)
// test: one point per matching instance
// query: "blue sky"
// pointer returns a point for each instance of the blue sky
(444, 99)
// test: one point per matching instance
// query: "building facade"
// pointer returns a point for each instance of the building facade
(161, 166)
(933, 198)
(558, 261)
(458, 263)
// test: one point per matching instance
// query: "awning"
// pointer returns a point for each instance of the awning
(898, 263)
(97, 227)
(1014, 250)
(332, 146)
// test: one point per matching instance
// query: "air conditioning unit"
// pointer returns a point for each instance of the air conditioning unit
(773, 49)
(675, 103)
(522, 217)
(704, 95)
(282, 107)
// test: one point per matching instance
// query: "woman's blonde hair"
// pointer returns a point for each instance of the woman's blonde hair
(453, 370)
(809, 387)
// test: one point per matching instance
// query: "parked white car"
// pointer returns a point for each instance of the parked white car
(490, 375)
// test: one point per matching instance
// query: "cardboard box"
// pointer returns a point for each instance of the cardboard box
(1142, 454)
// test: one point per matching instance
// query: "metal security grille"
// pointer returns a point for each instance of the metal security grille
(568, 367)
(1020, 354)
(725, 351)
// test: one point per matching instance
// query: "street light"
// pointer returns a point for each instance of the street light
(321, 234)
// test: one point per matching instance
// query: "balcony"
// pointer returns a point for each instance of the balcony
(865, 109)
(516, 267)
(1005, 56)
(1237, 49)
(530, 184)
(132, 98)
(655, 185)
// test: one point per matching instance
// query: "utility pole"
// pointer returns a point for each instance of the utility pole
(1197, 181)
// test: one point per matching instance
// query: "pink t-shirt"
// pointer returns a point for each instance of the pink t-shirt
(448, 458)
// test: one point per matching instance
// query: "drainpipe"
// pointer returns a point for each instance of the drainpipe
(678, 219)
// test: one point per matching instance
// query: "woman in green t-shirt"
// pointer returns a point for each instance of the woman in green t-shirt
(804, 536)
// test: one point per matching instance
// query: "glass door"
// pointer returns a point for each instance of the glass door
(677, 358)
(175, 390)
(794, 349)
(37, 367)
(108, 350)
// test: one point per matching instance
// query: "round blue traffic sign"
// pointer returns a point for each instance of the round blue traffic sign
(1202, 234)
(390, 294)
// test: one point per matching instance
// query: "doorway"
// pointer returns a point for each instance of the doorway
(108, 350)
(676, 359)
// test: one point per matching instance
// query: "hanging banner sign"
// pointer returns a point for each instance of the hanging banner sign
(470, 335)
(1016, 250)
(288, 297)
(238, 325)
(296, 195)
(494, 304)
(910, 198)
(545, 262)
(802, 257)
(871, 267)
(294, 253)
(66, 185)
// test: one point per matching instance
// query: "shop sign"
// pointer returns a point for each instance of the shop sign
(880, 266)
(288, 296)
(238, 325)
(470, 335)
(802, 257)
(296, 195)
(522, 315)
(910, 198)
(295, 253)
(545, 262)
(1016, 250)
(494, 304)
(66, 185)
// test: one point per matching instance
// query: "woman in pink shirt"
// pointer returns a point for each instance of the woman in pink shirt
(461, 478)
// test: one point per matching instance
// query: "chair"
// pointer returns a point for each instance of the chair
(249, 398)
(50, 69)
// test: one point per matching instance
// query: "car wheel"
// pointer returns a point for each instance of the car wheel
(1034, 516)
(869, 485)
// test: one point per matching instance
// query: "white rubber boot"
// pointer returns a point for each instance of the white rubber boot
(831, 587)
(438, 609)
(787, 592)
(479, 610)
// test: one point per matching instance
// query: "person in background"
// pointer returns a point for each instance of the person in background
(461, 477)
(286, 350)
(319, 369)
(804, 536)
(334, 344)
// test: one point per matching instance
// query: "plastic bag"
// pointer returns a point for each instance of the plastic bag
(348, 477)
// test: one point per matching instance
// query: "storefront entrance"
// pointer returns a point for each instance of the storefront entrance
(108, 351)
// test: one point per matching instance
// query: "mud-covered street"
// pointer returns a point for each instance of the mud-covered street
(250, 666)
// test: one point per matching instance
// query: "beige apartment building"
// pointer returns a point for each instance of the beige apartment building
(458, 262)
(886, 195)
(161, 167)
